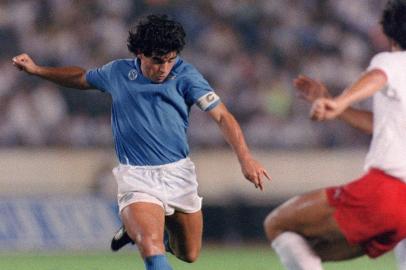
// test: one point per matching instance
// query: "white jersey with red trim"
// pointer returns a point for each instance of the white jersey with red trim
(388, 147)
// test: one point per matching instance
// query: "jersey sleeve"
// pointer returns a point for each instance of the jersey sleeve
(199, 92)
(100, 78)
(382, 61)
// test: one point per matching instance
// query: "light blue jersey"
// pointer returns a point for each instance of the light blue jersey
(150, 120)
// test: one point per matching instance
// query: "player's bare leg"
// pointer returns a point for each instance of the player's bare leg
(308, 221)
(185, 231)
(144, 223)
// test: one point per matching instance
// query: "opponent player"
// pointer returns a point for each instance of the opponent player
(365, 216)
(310, 90)
(151, 100)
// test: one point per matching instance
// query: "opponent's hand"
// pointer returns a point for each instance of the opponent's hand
(326, 109)
(309, 89)
(254, 172)
(24, 62)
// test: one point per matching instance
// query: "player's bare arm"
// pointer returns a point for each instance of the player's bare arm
(310, 90)
(367, 85)
(359, 119)
(252, 170)
(73, 77)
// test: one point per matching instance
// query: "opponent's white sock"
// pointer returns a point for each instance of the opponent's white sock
(295, 253)
(400, 252)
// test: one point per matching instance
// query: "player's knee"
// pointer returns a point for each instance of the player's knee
(272, 226)
(147, 243)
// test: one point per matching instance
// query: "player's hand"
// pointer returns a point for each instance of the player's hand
(254, 172)
(326, 109)
(24, 62)
(309, 89)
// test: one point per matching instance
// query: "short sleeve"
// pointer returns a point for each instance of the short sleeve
(199, 92)
(391, 65)
(382, 61)
(99, 78)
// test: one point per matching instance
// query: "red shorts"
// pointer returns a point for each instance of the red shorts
(371, 211)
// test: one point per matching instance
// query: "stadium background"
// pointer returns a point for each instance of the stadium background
(57, 193)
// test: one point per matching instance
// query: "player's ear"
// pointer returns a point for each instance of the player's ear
(139, 54)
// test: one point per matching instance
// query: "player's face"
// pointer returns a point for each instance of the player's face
(157, 68)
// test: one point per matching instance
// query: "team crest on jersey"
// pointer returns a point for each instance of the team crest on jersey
(132, 74)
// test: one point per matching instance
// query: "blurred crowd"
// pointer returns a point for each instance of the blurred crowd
(249, 51)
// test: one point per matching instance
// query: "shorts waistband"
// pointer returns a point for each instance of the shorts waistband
(153, 167)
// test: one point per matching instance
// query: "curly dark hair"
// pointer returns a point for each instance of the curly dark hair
(394, 21)
(156, 34)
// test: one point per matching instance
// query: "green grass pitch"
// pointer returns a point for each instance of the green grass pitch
(212, 258)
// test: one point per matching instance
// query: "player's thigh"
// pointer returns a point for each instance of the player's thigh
(144, 220)
(309, 215)
(186, 231)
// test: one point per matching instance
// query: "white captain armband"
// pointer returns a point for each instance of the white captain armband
(205, 101)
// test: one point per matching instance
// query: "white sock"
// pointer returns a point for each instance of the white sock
(400, 252)
(295, 253)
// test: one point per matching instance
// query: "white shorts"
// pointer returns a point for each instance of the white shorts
(173, 186)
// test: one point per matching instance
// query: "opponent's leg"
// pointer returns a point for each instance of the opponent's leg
(144, 223)
(185, 234)
(295, 253)
(336, 250)
(299, 227)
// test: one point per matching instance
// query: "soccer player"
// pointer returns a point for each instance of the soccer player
(310, 90)
(151, 99)
(367, 215)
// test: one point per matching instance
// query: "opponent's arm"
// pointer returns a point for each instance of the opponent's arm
(359, 119)
(74, 77)
(310, 90)
(367, 85)
(252, 170)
